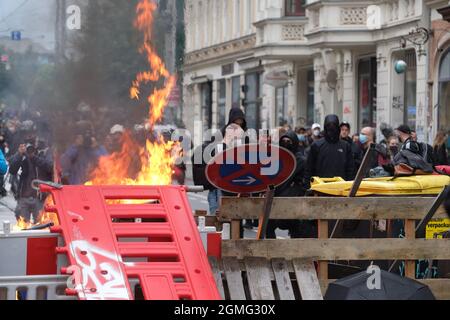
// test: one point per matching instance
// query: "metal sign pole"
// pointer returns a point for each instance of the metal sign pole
(363, 169)
(264, 218)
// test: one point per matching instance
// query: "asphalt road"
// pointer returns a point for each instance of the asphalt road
(7, 205)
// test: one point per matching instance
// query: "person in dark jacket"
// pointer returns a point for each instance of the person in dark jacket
(440, 149)
(426, 150)
(33, 167)
(293, 187)
(200, 179)
(330, 156)
(405, 135)
(447, 204)
(366, 138)
(80, 158)
(236, 116)
(356, 149)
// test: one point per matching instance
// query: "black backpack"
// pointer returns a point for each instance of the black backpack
(408, 163)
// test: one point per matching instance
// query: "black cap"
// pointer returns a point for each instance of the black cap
(404, 128)
(345, 124)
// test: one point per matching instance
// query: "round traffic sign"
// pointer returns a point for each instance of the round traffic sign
(250, 168)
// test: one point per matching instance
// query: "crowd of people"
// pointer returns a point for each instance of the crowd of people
(29, 151)
(332, 151)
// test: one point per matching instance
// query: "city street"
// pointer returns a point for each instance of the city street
(317, 130)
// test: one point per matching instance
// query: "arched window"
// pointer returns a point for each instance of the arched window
(444, 92)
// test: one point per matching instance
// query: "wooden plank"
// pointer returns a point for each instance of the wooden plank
(210, 221)
(439, 287)
(233, 275)
(258, 277)
(235, 229)
(307, 280)
(325, 208)
(410, 233)
(215, 266)
(339, 249)
(323, 234)
(283, 280)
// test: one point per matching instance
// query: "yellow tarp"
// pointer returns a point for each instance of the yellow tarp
(389, 186)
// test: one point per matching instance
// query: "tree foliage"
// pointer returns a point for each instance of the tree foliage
(106, 60)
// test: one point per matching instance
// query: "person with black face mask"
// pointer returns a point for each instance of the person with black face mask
(293, 187)
(330, 156)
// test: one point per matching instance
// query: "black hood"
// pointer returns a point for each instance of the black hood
(294, 138)
(331, 128)
(237, 113)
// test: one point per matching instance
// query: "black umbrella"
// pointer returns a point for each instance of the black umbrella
(392, 287)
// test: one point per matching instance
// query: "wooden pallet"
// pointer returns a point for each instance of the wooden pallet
(263, 279)
(325, 250)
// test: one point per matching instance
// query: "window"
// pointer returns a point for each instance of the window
(252, 100)
(221, 104)
(410, 89)
(206, 98)
(281, 106)
(444, 93)
(236, 92)
(310, 99)
(367, 79)
(295, 7)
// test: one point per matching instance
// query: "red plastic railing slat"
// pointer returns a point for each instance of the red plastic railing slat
(91, 224)
(142, 229)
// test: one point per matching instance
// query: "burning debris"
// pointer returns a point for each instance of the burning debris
(156, 159)
(152, 164)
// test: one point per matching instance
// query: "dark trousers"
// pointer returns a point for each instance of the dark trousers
(27, 208)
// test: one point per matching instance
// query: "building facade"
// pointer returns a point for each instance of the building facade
(42, 26)
(295, 61)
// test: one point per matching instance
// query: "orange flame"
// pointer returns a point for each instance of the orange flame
(158, 99)
(134, 165)
(44, 218)
(155, 165)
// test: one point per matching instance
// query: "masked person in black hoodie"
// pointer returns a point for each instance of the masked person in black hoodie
(330, 156)
(293, 187)
(236, 117)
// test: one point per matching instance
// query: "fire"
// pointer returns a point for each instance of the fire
(44, 218)
(21, 225)
(135, 165)
(156, 162)
(158, 99)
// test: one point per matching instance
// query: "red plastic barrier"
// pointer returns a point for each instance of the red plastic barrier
(101, 236)
(214, 241)
(41, 257)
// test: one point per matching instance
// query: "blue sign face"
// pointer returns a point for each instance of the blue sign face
(16, 36)
(250, 171)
